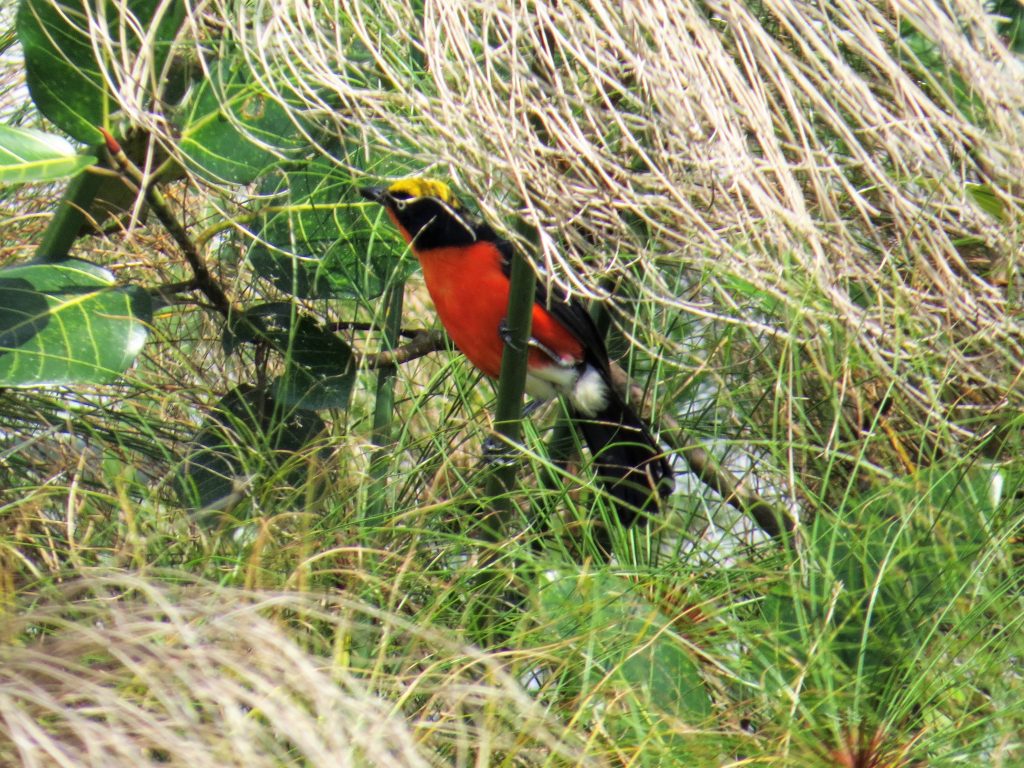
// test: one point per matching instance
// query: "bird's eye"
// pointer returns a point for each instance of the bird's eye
(399, 199)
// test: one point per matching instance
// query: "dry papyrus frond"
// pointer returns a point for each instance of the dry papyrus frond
(800, 149)
(124, 670)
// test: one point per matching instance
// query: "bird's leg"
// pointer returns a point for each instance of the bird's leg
(495, 452)
(532, 406)
(498, 453)
(506, 337)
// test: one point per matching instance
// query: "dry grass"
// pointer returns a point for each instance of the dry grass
(117, 670)
(780, 145)
(790, 172)
(809, 172)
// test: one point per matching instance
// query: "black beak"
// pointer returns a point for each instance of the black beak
(376, 194)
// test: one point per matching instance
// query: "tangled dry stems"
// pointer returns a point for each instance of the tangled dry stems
(801, 149)
(123, 670)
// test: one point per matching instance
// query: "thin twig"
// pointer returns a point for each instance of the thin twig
(422, 343)
(169, 291)
(352, 325)
(201, 275)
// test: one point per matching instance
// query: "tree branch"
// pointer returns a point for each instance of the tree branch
(352, 325)
(772, 519)
(423, 343)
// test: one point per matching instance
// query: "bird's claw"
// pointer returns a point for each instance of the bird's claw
(506, 335)
(498, 453)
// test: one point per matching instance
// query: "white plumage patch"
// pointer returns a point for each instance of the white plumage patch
(544, 383)
(587, 392)
(590, 395)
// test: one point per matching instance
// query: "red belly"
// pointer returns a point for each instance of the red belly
(470, 293)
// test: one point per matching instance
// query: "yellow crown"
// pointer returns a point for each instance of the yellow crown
(426, 188)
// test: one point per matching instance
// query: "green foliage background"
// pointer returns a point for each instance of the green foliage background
(243, 516)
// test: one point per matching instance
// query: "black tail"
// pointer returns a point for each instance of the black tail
(627, 458)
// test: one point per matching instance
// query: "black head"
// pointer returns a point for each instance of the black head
(427, 212)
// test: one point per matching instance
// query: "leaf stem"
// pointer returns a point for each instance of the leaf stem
(511, 387)
(383, 413)
(69, 218)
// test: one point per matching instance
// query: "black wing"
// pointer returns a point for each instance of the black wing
(567, 310)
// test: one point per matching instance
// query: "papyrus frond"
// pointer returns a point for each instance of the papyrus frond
(829, 157)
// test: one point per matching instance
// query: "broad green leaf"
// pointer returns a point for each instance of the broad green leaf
(232, 131)
(641, 667)
(29, 155)
(248, 433)
(60, 67)
(68, 323)
(319, 370)
(319, 241)
(65, 80)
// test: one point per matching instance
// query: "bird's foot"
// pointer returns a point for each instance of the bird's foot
(531, 406)
(506, 334)
(506, 337)
(498, 452)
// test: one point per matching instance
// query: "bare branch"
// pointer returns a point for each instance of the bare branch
(770, 518)
(202, 279)
(422, 344)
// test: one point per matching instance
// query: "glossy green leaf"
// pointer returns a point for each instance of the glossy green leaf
(232, 131)
(319, 369)
(248, 433)
(65, 80)
(29, 155)
(320, 240)
(68, 323)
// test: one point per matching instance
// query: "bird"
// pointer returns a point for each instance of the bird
(466, 268)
